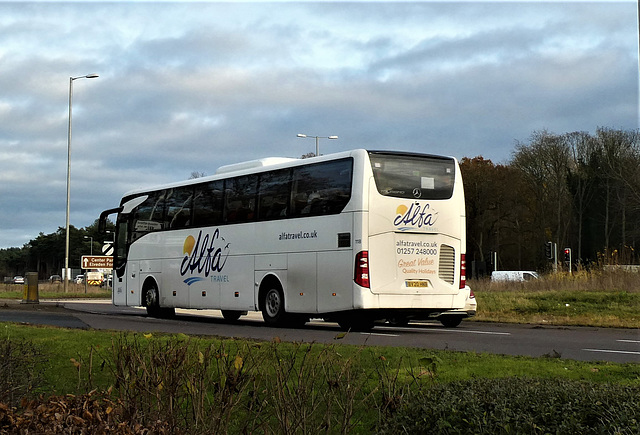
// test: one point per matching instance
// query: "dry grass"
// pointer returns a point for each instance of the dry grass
(598, 280)
(607, 298)
(47, 290)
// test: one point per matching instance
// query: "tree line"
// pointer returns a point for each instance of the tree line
(45, 254)
(578, 190)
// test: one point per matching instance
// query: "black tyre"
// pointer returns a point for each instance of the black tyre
(295, 320)
(451, 321)
(151, 301)
(273, 306)
(231, 315)
(356, 323)
(399, 321)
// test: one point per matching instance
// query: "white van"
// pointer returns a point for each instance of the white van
(513, 275)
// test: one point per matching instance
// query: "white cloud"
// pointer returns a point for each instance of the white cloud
(191, 86)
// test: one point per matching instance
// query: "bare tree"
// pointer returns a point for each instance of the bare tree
(196, 174)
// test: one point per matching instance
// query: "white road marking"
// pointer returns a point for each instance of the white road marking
(612, 351)
(461, 331)
(628, 341)
(379, 334)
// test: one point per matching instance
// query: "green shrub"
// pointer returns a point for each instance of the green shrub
(519, 405)
(236, 386)
(19, 370)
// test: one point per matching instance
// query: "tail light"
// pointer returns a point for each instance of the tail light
(463, 270)
(361, 274)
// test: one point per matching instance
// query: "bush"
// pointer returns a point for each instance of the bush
(235, 387)
(519, 405)
(19, 370)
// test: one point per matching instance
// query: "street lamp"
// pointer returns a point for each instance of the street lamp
(89, 237)
(318, 140)
(66, 239)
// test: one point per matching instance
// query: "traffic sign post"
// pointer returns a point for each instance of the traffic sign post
(107, 248)
(567, 259)
(96, 262)
(551, 253)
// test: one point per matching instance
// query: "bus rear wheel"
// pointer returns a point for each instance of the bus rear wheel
(450, 321)
(232, 315)
(273, 306)
(356, 323)
(399, 321)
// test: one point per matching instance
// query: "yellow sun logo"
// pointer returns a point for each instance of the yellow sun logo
(401, 210)
(188, 245)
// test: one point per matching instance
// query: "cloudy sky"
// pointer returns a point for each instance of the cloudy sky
(187, 87)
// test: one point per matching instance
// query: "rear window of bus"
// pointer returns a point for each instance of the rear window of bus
(413, 176)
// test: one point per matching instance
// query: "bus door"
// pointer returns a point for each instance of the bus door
(132, 283)
(126, 276)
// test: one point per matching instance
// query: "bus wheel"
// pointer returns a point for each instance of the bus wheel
(231, 315)
(399, 321)
(273, 306)
(152, 302)
(450, 321)
(296, 320)
(356, 323)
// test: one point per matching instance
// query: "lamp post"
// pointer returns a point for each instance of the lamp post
(318, 140)
(91, 248)
(66, 239)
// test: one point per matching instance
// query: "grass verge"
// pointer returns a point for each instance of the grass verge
(87, 347)
(208, 385)
(599, 298)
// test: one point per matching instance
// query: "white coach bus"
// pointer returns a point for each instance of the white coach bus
(353, 237)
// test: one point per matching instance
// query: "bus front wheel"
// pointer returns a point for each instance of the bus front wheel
(152, 303)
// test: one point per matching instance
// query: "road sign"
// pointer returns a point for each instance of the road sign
(107, 248)
(97, 262)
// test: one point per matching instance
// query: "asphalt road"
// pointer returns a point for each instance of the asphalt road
(578, 343)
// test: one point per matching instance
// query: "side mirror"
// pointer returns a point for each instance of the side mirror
(102, 222)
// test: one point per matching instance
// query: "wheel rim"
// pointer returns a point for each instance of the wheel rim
(273, 303)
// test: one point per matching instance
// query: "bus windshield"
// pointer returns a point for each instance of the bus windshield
(413, 176)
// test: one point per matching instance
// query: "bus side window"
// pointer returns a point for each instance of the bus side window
(208, 203)
(148, 216)
(178, 207)
(325, 188)
(240, 199)
(273, 194)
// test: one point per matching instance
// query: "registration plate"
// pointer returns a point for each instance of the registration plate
(420, 284)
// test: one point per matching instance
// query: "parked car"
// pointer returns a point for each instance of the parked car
(79, 279)
(18, 280)
(513, 275)
(55, 278)
(107, 281)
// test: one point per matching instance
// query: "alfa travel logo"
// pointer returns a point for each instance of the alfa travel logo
(203, 256)
(415, 216)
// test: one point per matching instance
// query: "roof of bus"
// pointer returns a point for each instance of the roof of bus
(268, 164)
